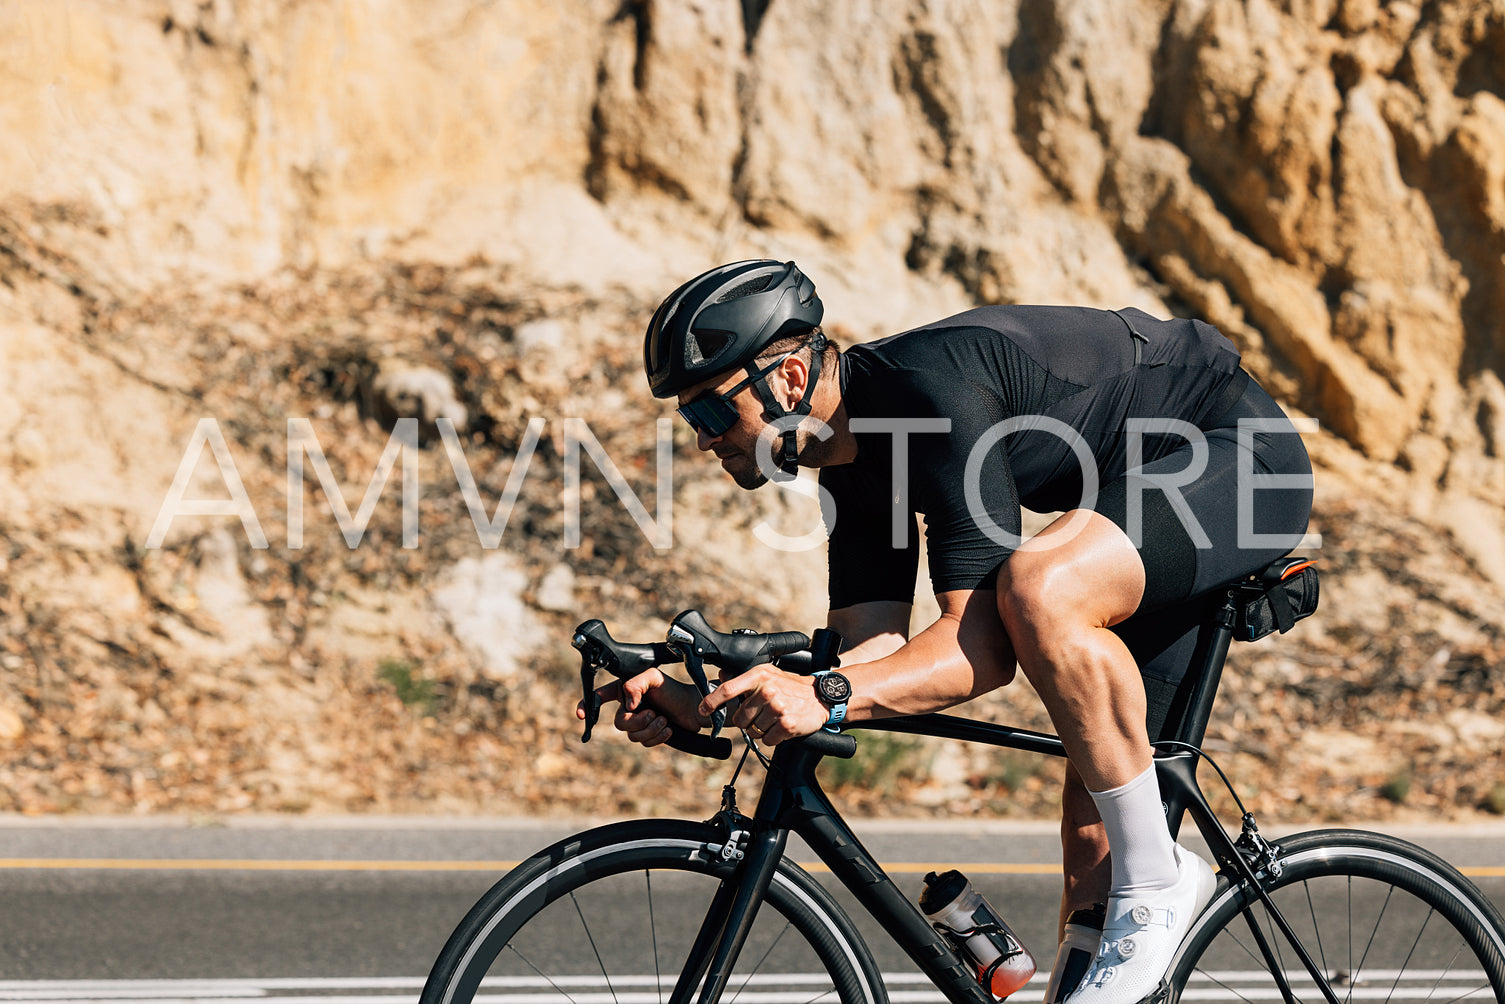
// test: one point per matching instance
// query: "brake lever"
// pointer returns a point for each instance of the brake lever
(683, 643)
(590, 661)
(591, 701)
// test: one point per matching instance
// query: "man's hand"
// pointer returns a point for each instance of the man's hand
(653, 705)
(775, 705)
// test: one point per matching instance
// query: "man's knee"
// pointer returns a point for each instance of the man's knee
(1094, 580)
(1026, 583)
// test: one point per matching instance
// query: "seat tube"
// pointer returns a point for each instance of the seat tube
(1200, 709)
(1177, 771)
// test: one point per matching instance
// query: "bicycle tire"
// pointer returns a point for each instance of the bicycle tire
(1383, 919)
(636, 892)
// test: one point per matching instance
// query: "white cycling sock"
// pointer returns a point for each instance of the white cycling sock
(1138, 840)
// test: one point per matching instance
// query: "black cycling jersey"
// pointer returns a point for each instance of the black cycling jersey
(1069, 380)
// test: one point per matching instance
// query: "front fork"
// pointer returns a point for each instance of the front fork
(754, 852)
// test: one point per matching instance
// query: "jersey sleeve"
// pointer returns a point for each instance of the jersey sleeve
(924, 472)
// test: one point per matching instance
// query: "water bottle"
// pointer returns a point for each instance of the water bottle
(974, 927)
(1084, 930)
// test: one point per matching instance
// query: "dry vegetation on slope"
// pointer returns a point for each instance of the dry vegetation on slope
(210, 676)
(261, 211)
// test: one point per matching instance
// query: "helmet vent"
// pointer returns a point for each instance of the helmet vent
(703, 347)
(747, 288)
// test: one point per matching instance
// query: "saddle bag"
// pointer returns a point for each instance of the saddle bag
(1276, 599)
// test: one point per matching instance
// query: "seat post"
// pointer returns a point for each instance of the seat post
(1199, 707)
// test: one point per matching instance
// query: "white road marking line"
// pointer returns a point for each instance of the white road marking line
(771, 988)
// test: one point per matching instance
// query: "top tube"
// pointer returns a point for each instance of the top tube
(1198, 691)
(967, 730)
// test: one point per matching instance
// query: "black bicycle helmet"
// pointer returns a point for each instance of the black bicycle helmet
(722, 319)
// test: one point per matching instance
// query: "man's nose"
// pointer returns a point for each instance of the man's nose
(704, 440)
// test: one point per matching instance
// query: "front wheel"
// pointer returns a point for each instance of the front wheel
(1383, 919)
(608, 917)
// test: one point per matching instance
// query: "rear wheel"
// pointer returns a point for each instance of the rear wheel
(608, 917)
(1383, 919)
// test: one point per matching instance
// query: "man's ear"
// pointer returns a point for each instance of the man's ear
(795, 374)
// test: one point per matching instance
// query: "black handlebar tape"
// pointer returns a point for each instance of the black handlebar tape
(700, 744)
(795, 662)
(785, 642)
(837, 744)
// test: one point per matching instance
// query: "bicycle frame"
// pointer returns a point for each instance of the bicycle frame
(793, 801)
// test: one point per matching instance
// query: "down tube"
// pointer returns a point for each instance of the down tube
(806, 811)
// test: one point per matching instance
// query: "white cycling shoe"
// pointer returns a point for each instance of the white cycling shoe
(1141, 934)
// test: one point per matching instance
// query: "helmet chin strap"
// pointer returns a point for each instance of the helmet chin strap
(788, 455)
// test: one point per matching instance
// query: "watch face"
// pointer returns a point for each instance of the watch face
(833, 688)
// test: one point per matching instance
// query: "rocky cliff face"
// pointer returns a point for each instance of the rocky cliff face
(260, 210)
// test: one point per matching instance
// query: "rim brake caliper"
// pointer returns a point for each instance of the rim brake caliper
(1262, 856)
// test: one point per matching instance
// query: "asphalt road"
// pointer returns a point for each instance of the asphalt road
(357, 910)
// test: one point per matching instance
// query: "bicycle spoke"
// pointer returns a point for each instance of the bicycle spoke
(543, 975)
(1442, 974)
(1266, 938)
(1379, 918)
(824, 995)
(754, 971)
(1253, 957)
(658, 978)
(1231, 991)
(1412, 953)
(1311, 908)
(579, 943)
(594, 949)
(1275, 939)
(1349, 903)
(1256, 959)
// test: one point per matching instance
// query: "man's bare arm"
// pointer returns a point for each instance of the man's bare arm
(870, 630)
(964, 654)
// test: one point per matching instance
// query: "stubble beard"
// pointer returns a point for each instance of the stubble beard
(748, 478)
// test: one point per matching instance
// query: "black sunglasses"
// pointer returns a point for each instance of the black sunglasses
(713, 414)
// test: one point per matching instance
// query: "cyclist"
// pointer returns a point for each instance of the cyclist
(1127, 425)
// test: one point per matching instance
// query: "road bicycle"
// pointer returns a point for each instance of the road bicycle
(670, 911)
